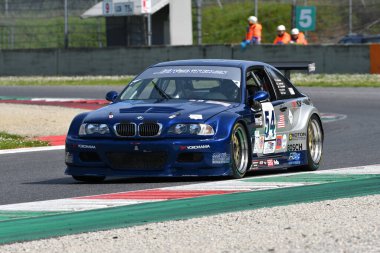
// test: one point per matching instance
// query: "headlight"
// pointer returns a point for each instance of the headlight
(196, 129)
(90, 128)
(180, 129)
(103, 129)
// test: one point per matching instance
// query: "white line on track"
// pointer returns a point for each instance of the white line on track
(81, 204)
(27, 150)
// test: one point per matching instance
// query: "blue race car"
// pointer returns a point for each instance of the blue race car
(197, 118)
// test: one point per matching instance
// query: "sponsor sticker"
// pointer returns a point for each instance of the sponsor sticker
(263, 163)
(220, 158)
(291, 90)
(269, 147)
(284, 141)
(195, 116)
(294, 163)
(256, 147)
(261, 144)
(110, 115)
(194, 147)
(296, 104)
(297, 136)
(294, 156)
(290, 117)
(255, 164)
(279, 142)
(259, 121)
(295, 147)
(272, 162)
(86, 146)
(190, 71)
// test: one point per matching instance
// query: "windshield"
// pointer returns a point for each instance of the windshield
(186, 82)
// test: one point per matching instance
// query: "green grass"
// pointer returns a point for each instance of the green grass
(313, 80)
(65, 80)
(336, 80)
(49, 32)
(9, 141)
(228, 24)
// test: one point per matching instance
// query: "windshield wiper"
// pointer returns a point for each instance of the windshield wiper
(161, 92)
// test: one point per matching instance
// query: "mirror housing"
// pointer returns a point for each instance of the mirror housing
(255, 101)
(111, 96)
(261, 96)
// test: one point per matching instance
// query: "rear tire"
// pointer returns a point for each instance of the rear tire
(314, 141)
(89, 179)
(239, 151)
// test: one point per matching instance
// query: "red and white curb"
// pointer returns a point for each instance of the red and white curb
(28, 150)
(79, 103)
(174, 192)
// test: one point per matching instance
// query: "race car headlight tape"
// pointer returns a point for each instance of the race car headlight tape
(196, 129)
(89, 128)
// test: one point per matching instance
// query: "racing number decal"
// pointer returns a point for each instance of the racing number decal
(270, 121)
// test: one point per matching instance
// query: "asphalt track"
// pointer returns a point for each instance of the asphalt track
(37, 176)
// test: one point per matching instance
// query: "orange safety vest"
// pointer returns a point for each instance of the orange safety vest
(253, 31)
(300, 40)
(284, 39)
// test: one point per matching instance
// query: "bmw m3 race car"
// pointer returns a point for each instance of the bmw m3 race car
(197, 118)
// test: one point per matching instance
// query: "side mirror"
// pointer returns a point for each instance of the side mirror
(111, 96)
(261, 96)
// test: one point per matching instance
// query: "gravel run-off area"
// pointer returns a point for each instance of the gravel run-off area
(36, 120)
(343, 225)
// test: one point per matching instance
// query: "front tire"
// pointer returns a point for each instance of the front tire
(239, 151)
(314, 144)
(89, 179)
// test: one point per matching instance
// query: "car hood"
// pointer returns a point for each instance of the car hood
(163, 112)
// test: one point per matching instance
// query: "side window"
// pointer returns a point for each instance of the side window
(252, 83)
(283, 87)
(262, 77)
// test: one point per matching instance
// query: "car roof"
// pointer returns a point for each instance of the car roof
(211, 62)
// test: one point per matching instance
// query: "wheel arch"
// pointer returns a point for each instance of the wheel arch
(76, 122)
(320, 122)
(244, 124)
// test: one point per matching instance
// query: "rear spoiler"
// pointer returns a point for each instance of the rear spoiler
(288, 66)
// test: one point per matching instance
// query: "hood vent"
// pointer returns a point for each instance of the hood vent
(149, 109)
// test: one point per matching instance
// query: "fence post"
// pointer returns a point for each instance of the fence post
(199, 21)
(66, 39)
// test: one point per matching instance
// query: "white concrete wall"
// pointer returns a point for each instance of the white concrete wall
(181, 28)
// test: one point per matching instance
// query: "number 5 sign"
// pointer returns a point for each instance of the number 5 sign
(306, 18)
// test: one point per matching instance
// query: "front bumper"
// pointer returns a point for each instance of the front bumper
(147, 158)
